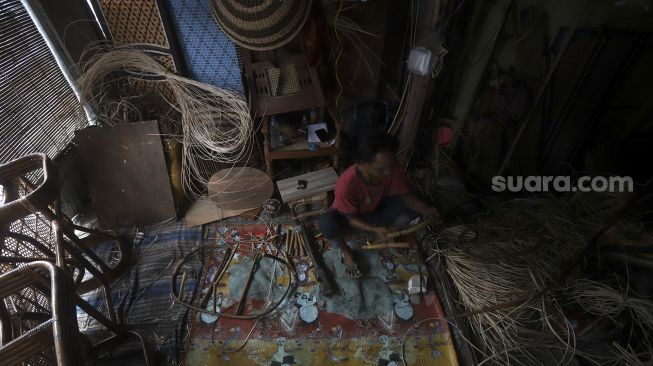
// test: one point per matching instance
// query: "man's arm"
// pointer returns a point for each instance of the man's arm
(358, 223)
(420, 206)
(401, 187)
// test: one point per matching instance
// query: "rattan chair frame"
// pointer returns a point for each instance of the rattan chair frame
(60, 327)
(73, 251)
(66, 251)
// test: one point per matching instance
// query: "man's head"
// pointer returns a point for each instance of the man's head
(376, 156)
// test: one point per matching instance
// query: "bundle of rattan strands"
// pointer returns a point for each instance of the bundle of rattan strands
(603, 300)
(518, 272)
(216, 124)
(610, 300)
(520, 250)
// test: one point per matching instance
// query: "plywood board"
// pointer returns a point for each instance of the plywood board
(240, 187)
(126, 172)
(319, 181)
(205, 211)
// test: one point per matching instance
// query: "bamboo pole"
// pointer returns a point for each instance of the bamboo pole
(388, 245)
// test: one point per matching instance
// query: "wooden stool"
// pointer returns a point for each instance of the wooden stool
(308, 189)
(321, 198)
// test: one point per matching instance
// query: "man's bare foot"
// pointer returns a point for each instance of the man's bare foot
(351, 267)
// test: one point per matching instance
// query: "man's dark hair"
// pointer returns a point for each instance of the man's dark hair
(375, 142)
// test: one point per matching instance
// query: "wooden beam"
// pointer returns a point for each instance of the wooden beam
(419, 87)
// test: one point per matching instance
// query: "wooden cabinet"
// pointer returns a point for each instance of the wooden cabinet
(299, 149)
(279, 84)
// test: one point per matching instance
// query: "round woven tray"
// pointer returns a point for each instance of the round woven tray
(261, 24)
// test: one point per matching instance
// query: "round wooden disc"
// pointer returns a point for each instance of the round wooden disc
(240, 188)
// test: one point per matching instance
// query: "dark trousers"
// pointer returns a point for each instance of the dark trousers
(391, 211)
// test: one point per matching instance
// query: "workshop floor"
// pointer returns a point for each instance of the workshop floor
(141, 296)
(372, 320)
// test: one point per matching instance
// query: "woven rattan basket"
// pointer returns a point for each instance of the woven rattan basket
(261, 24)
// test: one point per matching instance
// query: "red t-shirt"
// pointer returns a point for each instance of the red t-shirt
(354, 196)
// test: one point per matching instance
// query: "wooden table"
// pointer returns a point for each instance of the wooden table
(318, 183)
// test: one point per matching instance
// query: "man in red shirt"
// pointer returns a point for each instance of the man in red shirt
(372, 195)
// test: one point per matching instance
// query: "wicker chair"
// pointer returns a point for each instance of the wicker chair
(41, 326)
(29, 208)
(41, 297)
(33, 228)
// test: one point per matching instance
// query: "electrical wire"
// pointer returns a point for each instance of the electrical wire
(394, 125)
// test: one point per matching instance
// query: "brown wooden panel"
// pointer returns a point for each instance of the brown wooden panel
(240, 188)
(205, 211)
(319, 181)
(125, 169)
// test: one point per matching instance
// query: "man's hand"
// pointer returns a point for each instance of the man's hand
(432, 213)
(357, 223)
(381, 233)
(420, 206)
